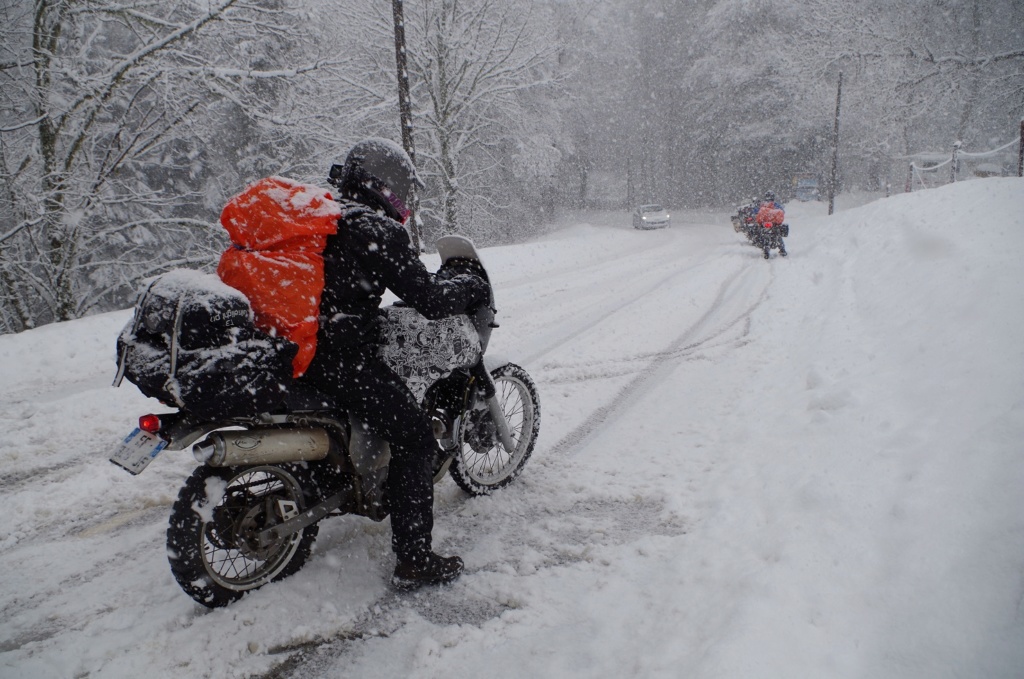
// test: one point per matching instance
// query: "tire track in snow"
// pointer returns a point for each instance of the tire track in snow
(653, 247)
(693, 338)
(561, 535)
(556, 338)
(629, 365)
(88, 583)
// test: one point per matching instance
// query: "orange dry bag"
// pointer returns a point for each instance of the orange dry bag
(278, 231)
(770, 216)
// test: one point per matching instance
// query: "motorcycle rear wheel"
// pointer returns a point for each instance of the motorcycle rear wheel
(482, 465)
(212, 542)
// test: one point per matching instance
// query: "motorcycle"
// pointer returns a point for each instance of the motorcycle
(250, 512)
(745, 222)
(768, 236)
(769, 228)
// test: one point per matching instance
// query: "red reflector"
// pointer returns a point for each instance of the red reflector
(150, 423)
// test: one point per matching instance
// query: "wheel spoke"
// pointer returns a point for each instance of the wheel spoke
(250, 501)
(484, 463)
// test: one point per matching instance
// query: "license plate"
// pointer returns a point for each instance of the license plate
(137, 450)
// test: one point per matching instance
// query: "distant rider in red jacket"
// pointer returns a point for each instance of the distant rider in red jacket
(771, 214)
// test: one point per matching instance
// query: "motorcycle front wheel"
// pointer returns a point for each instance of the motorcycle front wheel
(482, 464)
(212, 540)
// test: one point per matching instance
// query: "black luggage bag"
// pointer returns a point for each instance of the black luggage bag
(192, 344)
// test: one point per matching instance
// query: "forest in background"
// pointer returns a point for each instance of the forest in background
(126, 124)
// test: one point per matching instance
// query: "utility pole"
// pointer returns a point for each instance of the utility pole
(834, 177)
(1020, 151)
(405, 109)
(954, 161)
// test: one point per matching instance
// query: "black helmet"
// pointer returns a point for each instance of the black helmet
(379, 171)
(769, 195)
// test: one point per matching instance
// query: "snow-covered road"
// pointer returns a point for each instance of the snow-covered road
(800, 467)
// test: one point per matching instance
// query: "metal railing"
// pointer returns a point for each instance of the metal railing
(956, 157)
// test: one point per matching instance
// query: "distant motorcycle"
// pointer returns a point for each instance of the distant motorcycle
(770, 229)
(762, 226)
(745, 220)
(249, 514)
(768, 236)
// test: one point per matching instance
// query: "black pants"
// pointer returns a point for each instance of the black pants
(366, 387)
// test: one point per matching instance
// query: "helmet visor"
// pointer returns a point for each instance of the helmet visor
(396, 202)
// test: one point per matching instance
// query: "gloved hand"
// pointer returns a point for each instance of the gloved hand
(478, 292)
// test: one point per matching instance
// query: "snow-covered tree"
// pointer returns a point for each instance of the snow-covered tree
(926, 73)
(106, 113)
(476, 66)
(711, 100)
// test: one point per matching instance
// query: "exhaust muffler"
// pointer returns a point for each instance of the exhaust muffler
(262, 446)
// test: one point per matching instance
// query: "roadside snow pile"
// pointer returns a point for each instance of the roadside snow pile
(892, 403)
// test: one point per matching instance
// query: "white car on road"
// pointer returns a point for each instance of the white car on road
(651, 217)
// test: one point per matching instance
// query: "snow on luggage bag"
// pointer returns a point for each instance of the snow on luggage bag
(192, 344)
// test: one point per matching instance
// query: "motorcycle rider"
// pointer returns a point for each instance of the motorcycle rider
(771, 201)
(770, 239)
(371, 252)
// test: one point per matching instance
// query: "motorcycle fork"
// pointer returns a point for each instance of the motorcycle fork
(490, 395)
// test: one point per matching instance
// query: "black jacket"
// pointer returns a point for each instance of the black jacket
(371, 253)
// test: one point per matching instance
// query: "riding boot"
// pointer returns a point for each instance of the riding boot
(425, 569)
